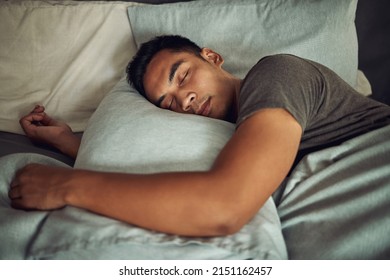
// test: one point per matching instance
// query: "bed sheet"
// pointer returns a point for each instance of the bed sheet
(12, 143)
(336, 205)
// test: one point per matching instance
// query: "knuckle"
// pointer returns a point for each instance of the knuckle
(23, 174)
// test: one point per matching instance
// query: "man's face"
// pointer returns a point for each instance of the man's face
(185, 83)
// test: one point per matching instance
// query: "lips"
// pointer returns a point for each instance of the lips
(205, 108)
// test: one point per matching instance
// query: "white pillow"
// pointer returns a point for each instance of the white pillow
(64, 55)
(247, 30)
(129, 134)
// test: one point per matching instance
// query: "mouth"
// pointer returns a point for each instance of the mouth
(205, 108)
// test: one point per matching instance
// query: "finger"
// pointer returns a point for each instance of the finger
(26, 170)
(14, 193)
(20, 173)
(31, 202)
(38, 109)
(47, 120)
(17, 177)
(14, 183)
(32, 117)
(31, 121)
(15, 203)
(20, 203)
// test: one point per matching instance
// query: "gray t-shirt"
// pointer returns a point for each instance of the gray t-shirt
(327, 108)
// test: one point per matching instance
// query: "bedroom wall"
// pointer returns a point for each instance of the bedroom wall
(373, 28)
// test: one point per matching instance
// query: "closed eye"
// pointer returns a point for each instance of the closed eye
(184, 78)
(170, 104)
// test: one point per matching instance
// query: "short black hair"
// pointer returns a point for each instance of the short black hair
(137, 66)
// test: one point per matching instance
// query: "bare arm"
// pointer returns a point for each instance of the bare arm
(218, 202)
(41, 128)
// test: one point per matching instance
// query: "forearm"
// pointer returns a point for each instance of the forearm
(68, 144)
(178, 203)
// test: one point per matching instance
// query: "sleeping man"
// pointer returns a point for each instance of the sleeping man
(284, 108)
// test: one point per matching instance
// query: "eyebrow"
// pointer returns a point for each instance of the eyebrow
(173, 70)
(172, 73)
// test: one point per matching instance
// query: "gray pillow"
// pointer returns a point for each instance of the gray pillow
(129, 134)
(247, 30)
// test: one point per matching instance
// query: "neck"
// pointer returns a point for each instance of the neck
(233, 111)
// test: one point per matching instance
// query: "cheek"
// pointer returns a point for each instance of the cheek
(205, 83)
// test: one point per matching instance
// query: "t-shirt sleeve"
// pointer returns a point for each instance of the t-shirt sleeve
(281, 81)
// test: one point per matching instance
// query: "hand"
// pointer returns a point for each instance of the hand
(41, 187)
(41, 128)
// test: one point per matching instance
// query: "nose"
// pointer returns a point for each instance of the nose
(188, 101)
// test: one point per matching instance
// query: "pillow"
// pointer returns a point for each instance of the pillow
(63, 55)
(129, 134)
(363, 85)
(245, 31)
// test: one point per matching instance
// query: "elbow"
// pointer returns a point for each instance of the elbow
(228, 222)
(226, 210)
(228, 228)
(228, 216)
(212, 222)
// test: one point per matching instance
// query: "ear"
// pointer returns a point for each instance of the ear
(212, 57)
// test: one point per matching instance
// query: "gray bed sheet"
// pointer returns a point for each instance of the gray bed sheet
(11, 143)
(336, 205)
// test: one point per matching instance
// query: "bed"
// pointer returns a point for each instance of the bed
(71, 56)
